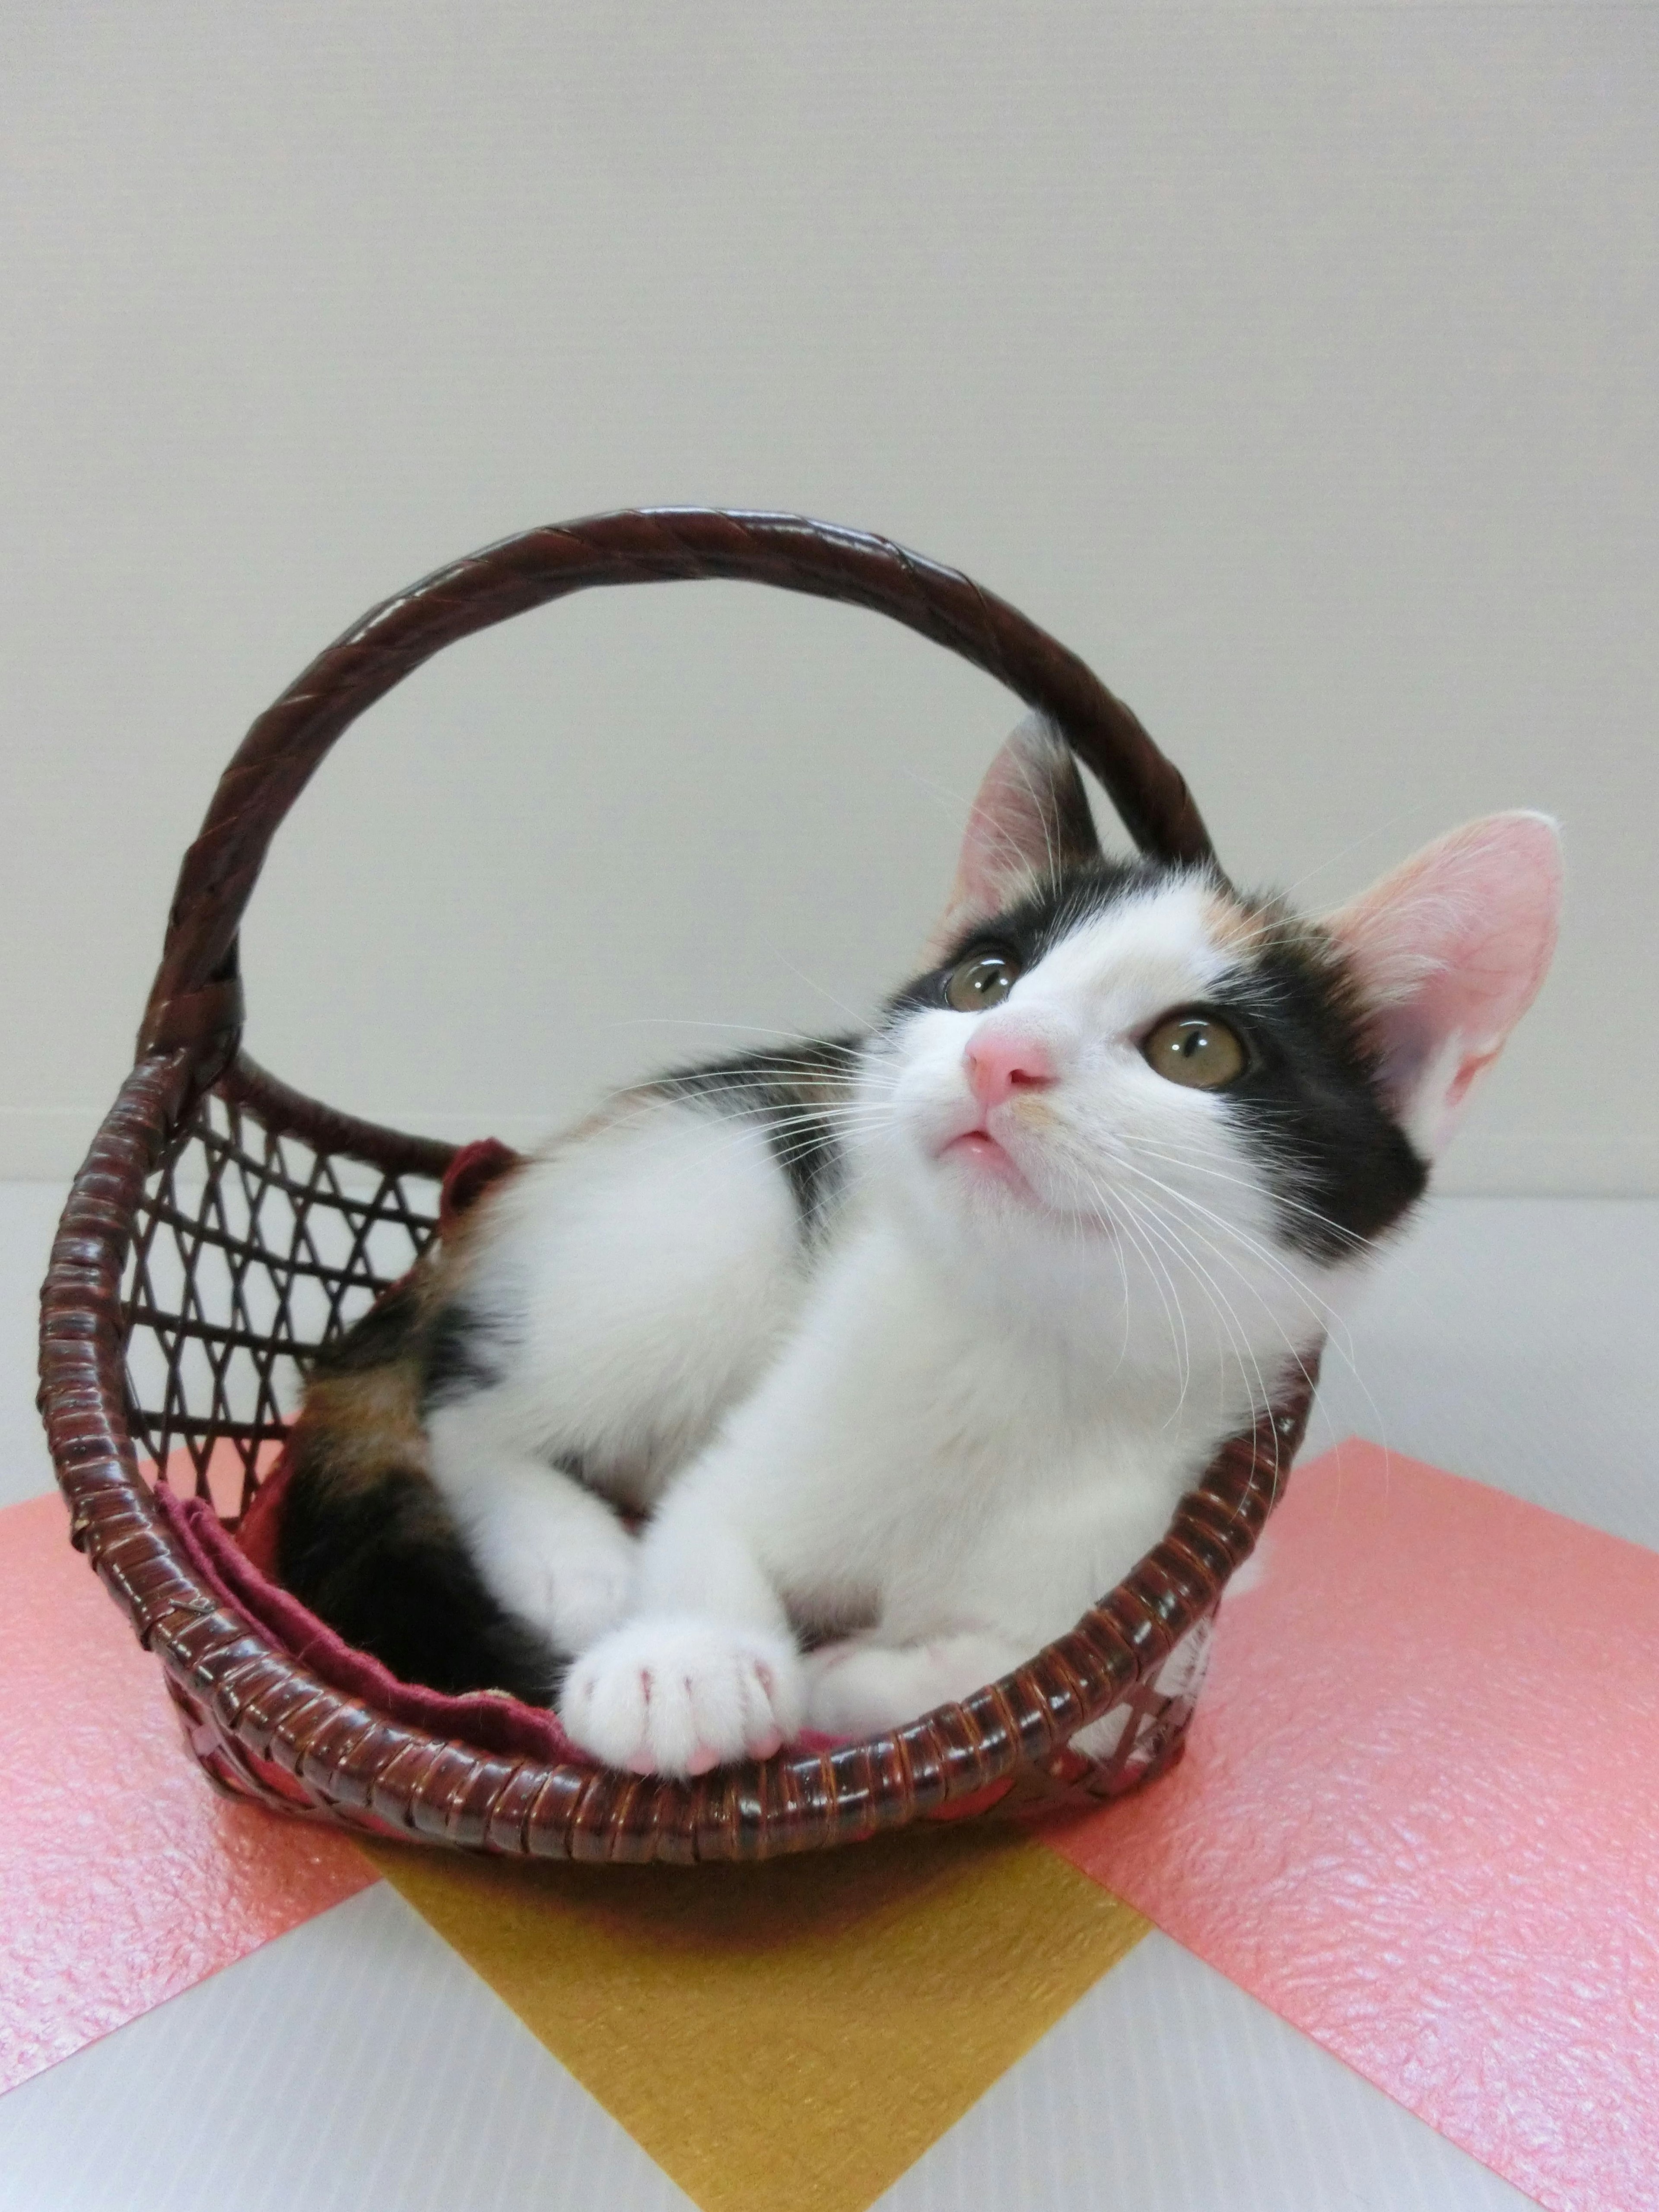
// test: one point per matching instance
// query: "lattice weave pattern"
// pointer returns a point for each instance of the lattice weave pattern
(252, 1250)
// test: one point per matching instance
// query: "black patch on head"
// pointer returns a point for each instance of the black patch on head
(459, 1357)
(811, 1161)
(1036, 923)
(1338, 1162)
(794, 1093)
(384, 1566)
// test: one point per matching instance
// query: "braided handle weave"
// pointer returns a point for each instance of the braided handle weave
(197, 998)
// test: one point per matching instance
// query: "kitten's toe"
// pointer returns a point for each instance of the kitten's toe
(680, 1697)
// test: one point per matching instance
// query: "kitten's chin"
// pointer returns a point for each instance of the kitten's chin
(976, 1157)
(968, 1180)
(983, 1185)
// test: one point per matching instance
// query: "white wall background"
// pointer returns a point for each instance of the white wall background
(1297, 366)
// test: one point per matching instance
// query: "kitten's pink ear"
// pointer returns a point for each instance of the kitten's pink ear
(1448, 953)
(1030, 820)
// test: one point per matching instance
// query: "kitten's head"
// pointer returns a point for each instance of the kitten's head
(1205, 1084)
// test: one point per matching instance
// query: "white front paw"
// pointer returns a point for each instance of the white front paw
(587, 1597)
(680, 1695)
(572, 1582)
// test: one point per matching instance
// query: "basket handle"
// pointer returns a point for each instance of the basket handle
(196, 1000)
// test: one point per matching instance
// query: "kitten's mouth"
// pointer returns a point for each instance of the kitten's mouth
(979, 1151)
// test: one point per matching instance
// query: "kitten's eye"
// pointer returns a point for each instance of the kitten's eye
(984, 980)
(1198, 1050)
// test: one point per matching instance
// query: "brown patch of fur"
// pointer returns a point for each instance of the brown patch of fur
(359, 1423)
(1236, 927)
(1250, 928)
(622, 1106)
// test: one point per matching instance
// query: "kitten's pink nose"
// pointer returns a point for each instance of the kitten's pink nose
(1000, 1065)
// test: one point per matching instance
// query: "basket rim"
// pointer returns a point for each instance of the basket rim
(360, 1767)
(263, 1709)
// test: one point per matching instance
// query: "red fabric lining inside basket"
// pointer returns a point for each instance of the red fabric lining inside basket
(488, 1719)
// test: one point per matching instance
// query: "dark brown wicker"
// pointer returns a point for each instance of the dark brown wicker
(223, 1226)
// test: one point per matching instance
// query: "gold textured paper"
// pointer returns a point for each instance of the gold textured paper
(795, 2034)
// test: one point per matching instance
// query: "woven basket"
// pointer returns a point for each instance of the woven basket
(223, 1227)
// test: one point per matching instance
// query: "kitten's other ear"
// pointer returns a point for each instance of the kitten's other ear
(1030, 820)
(1447, 954)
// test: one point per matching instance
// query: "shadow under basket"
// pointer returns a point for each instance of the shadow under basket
(223, 1227)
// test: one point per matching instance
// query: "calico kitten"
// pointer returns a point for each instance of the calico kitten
(906, 1343)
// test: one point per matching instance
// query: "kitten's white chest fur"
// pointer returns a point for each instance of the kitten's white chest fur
(954, 1454)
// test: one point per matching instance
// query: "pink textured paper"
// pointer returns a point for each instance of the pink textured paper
(124, 1876)
(1420, 1816)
